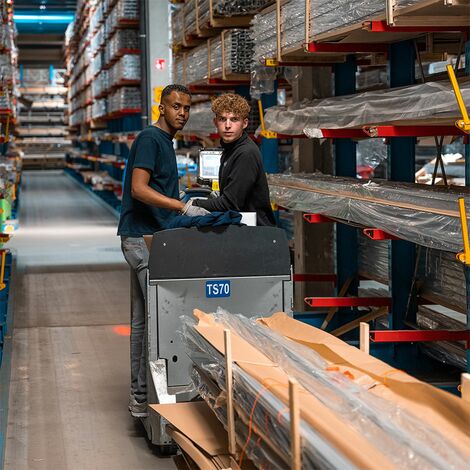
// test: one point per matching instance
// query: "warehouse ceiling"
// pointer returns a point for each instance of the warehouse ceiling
(41, 25)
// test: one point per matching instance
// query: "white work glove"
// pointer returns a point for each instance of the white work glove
(214, 194)
(193, 211)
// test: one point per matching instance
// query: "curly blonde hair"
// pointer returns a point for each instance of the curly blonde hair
(231, 103)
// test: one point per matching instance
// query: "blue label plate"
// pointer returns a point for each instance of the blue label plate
(217, 289)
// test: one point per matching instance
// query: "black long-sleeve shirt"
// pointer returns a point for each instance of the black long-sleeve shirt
(242, 182)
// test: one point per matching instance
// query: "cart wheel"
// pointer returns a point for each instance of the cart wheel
(167, 450)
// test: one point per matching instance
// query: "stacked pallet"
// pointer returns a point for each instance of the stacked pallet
(42, 132)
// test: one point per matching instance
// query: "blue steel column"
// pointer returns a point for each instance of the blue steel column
(402, 168)
(467, 183)
(345, 165)
(270, 147)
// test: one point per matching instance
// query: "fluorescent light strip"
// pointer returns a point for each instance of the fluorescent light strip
(47, 18)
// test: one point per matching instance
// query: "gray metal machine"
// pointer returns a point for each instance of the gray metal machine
(245, 270)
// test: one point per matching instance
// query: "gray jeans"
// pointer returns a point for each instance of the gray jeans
(136, 253)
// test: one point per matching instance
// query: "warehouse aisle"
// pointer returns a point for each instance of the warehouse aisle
(70, 374)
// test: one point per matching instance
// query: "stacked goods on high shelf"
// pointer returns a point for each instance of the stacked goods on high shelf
(221, 52)
(104, 77)
(10, 177)
(8, 73)
(199, 19)
(42, 133)
(103, 62)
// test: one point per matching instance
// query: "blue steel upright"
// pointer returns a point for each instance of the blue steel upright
(345, 165)
(401, 167)
(270, 147)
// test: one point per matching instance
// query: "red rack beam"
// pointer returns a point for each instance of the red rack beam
(410, 131)
(377, 234)
(419, 336)
(317, 219)
(346, 47)
(348, 301)
(343, 133)
(381, 26)
(315, 278)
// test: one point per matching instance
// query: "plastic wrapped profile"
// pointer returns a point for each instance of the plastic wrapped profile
(179, 71)
(263, 34)
(324, 13)
(373, 259)
(127, 68)
(190, 19)
(422, 214)
(177, 26)
(216, 62)
(444, 279)
(268, 418)
(292, 26)
(405, 440)
(201, 120)
(453, 353)
(197, 64)
(428, 100)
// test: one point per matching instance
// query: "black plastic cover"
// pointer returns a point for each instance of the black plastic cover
(231, 251)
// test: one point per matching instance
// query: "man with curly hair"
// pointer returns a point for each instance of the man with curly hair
(242, 180)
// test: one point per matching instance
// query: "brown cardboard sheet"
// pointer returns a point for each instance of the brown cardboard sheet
(446, 413)
(345, 439)
(197, 422)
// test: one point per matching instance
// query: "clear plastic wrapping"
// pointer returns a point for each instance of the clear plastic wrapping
(197, 64)
(99, 109)
(324, 13)
(125, 98)
(201, 120)
(373, 256)
(190, 20)
(422, 214)
(453, 353)
(263, 33)
(269, 422)
(122, 41)
(177, 26)
(292, 27)
(216, 56)
(400, 436)
(444, 279)
(179, 75)
(126, 69)
(422, 101)
(371, 153)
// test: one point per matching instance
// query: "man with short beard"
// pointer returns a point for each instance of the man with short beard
(150, 199)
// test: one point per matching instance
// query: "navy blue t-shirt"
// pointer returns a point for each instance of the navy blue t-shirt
(152, 150)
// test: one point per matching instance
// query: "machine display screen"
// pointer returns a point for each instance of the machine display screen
(209, 163)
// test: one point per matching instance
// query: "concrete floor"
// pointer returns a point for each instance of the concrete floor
(70, 359)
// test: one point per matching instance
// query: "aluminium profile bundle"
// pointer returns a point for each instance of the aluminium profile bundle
(381, 427)
(421, 214)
